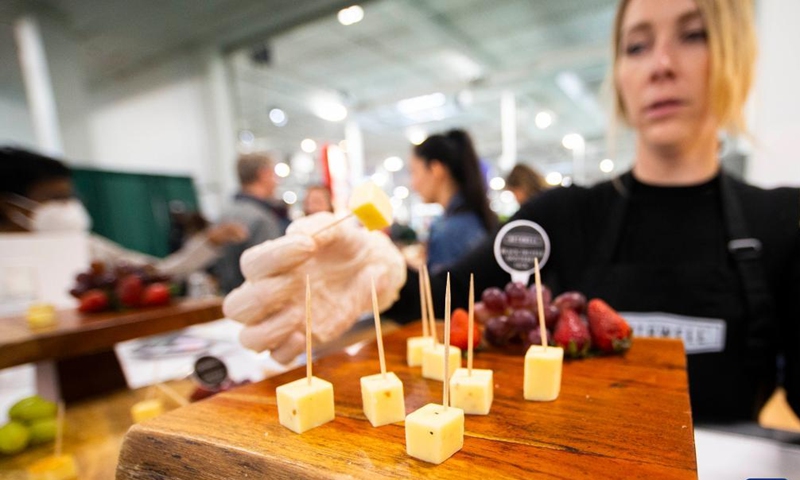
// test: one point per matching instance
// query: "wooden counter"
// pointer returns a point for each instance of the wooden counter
(617, 417)
(78, 334)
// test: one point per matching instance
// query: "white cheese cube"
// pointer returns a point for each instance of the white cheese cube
(371, 205)
(302, 406)
(383, 399)
(433, 361)
(472, 393)
(414, 346)
(146, 409)
(434, 433)
(543, 373)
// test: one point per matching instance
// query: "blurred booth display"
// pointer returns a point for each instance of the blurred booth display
(39, 268)
(133, 209)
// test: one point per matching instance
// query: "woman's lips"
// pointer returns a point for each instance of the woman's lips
(663, 108)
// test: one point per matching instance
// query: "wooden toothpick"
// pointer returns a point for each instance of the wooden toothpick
(540, 302)
(377, 314)
(60, 428)
(422, 305)
(332, 224)
(446, 389)
(431, 315)
(308, 329)
(471, 323)
(171, 393)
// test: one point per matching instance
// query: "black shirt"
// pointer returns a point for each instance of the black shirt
(670, 254)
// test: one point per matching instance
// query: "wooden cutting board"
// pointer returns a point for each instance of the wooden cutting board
(616, 417)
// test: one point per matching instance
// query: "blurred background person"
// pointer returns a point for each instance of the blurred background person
(525, 183)
(37, 195)
(255, 207)
(317, 199)
(445, 170)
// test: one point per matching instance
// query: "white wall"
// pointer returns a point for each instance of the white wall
(776, 98)
(15, 124)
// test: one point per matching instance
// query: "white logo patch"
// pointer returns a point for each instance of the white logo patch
(700, 335)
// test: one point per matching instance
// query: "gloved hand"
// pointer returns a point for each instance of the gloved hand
(340, 262)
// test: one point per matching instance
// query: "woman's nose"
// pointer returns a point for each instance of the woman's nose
(663, 62)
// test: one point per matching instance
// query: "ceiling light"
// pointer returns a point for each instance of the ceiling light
(572, 141)
(554, 178)
(507, 197)
(246, 137)
(607, 165)
(290, 197)
(277, 117)
(330, 111)
(416, 135)
(308, 145)
(497, 183)
(350, 15)
(393, 164)
(282, 170)
(566, 181)
(379, 178)
(423, 102)
(543, 120)
(401, 192)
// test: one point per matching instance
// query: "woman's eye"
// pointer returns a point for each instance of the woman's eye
(634, 48)
(695, 36)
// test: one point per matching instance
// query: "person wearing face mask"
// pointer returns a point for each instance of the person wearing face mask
(676, 244)
(36, 195)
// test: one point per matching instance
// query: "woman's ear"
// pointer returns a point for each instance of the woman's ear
(438, 170)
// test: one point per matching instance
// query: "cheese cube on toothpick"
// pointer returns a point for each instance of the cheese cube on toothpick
(308, 402)
(543, 364)
(472, 390)
(415, 345)
(371, 205)
(435, 432)
(382, 394)
(433, 355)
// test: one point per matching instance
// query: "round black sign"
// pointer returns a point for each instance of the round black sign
(210, 371)
(516, 246)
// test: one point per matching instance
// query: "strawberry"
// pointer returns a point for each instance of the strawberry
(610, 332)
(129, 290)
(572, 334)
(94, 300)
(155, 294)
(459, 330)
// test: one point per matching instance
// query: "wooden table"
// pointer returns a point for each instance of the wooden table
(75, 357)
(617, 417)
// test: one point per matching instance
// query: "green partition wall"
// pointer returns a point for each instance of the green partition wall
(132, 209)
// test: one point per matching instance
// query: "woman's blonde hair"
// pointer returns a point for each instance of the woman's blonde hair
(732, 48)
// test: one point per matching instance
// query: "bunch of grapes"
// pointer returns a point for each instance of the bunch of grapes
(510, 316)
(124, 286)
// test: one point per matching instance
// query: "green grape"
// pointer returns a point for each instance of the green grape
(43, 431)
(13, 438)
(32, 408)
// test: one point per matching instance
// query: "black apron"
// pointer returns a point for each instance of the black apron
(733, 383)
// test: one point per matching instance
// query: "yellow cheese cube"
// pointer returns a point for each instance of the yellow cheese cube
(543, 373)
(472, 393)
(433, 361)
(434, 433)
(371, 205)
(61, 467)
(414, 347)
(147, 409)
(302, 406)
(41, 315)
(383, 399)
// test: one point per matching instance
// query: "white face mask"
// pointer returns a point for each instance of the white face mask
(53, 216)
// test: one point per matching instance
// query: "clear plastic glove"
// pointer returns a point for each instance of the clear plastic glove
(340, 262)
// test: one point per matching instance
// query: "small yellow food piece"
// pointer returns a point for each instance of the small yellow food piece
(434, 433)
(433, 361)
(62, 467)
(472, 393)
(147, 409)
(543, 373)
(383, 399)
(414, 347)
(372, 206)
(41, 315)
(302, 406)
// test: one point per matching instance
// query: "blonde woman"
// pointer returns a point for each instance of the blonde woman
(677, 244)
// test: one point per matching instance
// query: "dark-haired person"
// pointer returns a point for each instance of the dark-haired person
(675, 241)
(445, 170)
(37, 195)
(525, 183)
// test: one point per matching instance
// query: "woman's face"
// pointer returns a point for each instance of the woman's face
(423, 178)
(663, 69)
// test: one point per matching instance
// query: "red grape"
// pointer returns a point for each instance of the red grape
(482, 313)
(547, 295)
(522, 320)
(517, 294)
(494, 299)
(572, 301)
(551, 315)
(499, 331)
